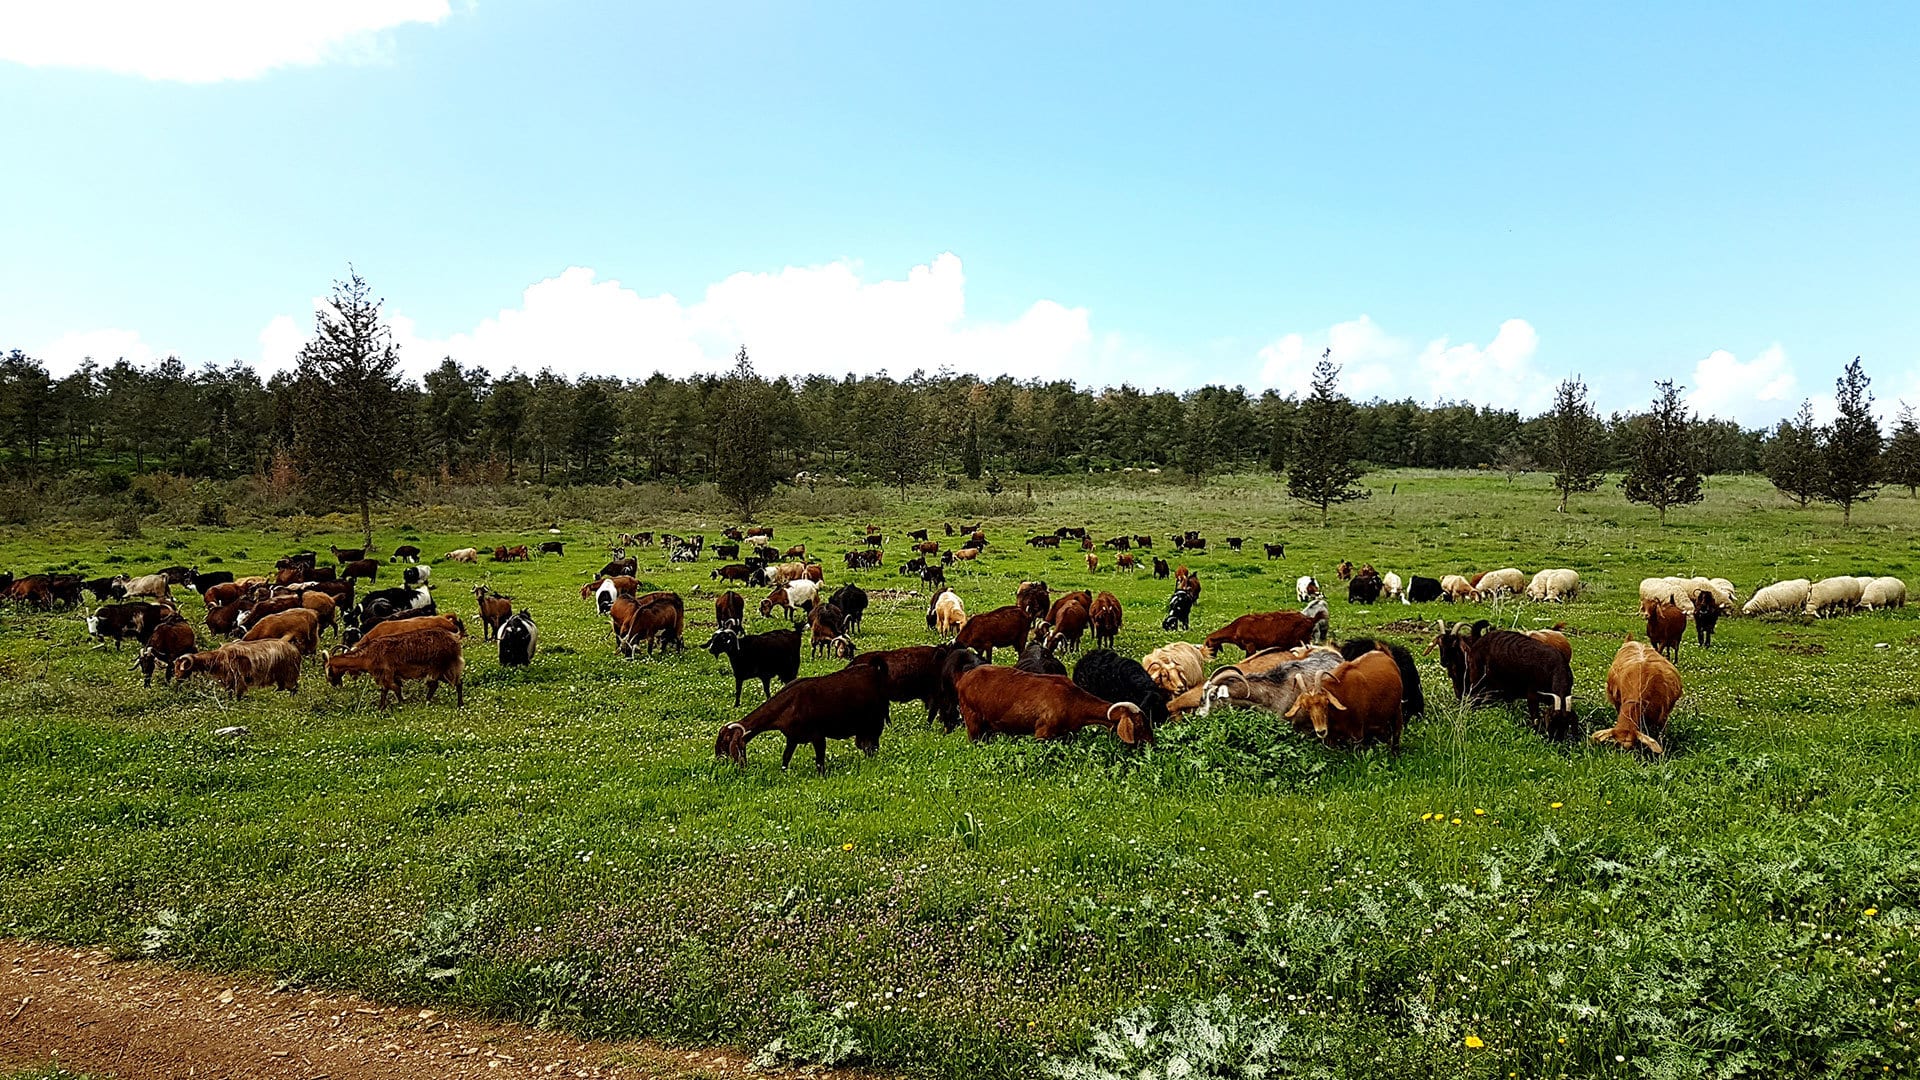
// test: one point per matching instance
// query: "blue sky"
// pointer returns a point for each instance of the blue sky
(1463, 205)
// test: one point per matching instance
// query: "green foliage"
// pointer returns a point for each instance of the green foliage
(1573, 441)
(810, 1036)
(1665, 471)
(352, 424)
(1794, 460)
(1851, 444)
(1324, 471)
(1901, 462)
(970, 462)
(743, 455)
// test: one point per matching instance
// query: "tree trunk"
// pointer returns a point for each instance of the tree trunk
(366, 520)
(1563, 501)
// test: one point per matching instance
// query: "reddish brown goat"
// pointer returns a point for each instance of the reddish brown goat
(1067, 623)
(1266, 630)
(1004, 701)
(730, 608)
(1106, 617)
(1643, 686)
(1356, 703)
(847, 704)
(450, 623)
(495, 609)
(1032, 598)
(297, 625)
(168, 642)
(1002, 627)
(1666, 625)
(432, 656)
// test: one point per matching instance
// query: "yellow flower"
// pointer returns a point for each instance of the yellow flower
(1477, 812)
(1474, 1042)
(1563, 1040)
(1426, 817)
(846, 847)
(1456, 821)
(1871, 912)
(1557, 806)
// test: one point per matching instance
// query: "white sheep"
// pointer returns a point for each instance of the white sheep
(1502, 582)
(1677, 591)
(1781, 596)
(1829, 595)
(1557, 586)
(1457, 588)
(1884, 592)
(1390, 586)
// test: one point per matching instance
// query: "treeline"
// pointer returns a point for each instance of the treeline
(467, 424)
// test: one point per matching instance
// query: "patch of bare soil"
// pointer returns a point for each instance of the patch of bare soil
(1798, 647)
(91, 1013)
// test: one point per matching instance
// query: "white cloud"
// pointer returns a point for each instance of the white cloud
(104, 347)
(200, 41)
(795, 321)
(1758, 391)
(1374, 363)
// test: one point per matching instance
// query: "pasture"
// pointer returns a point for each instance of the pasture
(566, 849)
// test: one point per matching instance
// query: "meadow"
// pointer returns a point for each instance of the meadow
(566, 849)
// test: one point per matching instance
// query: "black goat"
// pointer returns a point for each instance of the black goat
(1111, 677)
(772, 655)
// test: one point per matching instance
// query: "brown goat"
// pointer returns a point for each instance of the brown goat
(1106, 617)
(430, 655)
(297, 625)
(1002, 627)
(167, 643)
(449, 622)
(1067, 623)
(1644, 686)
(1267, 630)
(1356, 703)
(1031, 596)
(1666, 626)
(1000, 700)
(730, 608)
(847, 704)
(494, 610)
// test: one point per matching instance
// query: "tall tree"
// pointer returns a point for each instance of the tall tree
(1793, 459)
(742, 446)
(1901, 463)
(353, 432)
(895, 435)
(1666, 462)
(1324, 472)
(1574, 441)
(1852, 450)
(452, 407)
(970, 462)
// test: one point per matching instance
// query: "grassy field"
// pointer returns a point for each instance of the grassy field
(566, 849)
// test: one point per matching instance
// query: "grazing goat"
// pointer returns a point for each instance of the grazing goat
(297, 625)
(1643, 685)
(852, 600)
(1706, 615)
(465, 555)
(1161, 570)
(1422, 590)
(1503, 665)
(997, 700)
(1364, 588)
(1111, 677)
(730, 611)
(1267, 680)
(360, 568)
(393, 627)
(1666, 625)
(409, 552)
(1505, 582)
(518, 638)
(847, 704)
(945, 613)
(772, 655)
(1275, 551)
(166, 643)
(1039, 659)
(1390, 586)
(1884, 592)
(1413, 699)
(1267, 630)
(828, 625)
(121, 621)
(1067, 623)
(1002, 627)
(1357, 703)
(1456, 589)
(432, 656)
(154, 585)
(1305, 587)
(1179, 609)
(912, 673)
(1033, 598)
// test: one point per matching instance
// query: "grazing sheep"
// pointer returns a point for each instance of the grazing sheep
(1780, 597)
(1390, 587)
(1884, 592)
(1834, 594)
(1554, 586)
(1501, 582)
(1457, 589)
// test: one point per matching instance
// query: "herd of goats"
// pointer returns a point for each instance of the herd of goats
(1354, 693)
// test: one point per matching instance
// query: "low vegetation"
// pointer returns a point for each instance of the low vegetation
(1233, 900)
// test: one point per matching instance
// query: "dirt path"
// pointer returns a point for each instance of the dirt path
(135, 1020)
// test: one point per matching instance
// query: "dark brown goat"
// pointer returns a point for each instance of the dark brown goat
(847, 704)
(1004, 701)
(1266, 630)
(1003, 627)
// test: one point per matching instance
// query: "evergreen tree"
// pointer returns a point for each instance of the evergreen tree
(1324, 472)
(970, 462)
(742, 446)
(352, 433)
(1574, 441)
(1902, 460)
(1793, 459)
(1665, 471)
(1852, 450)
(895, 434)
(452, 408)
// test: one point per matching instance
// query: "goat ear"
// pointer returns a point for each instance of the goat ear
(1334, 701)
(1125, 728)
(1294, 709)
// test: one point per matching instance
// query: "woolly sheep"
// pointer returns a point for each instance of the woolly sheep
(1390, 585)
(1499, 582)
(1458, 588)
(1884, 592)
(1554, 585)
(1781, 596)
(1677, 591)
(1833, 594)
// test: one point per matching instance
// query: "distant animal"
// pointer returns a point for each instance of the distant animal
(1554, 586)
(466, 555)
(1275, 551)
(1179, 609)
(1779, 598)
(408, 552)
(1706, 615)
(1305, 587)
(1422, 590)
(1160, 569)
(495, 610)
(552, 547)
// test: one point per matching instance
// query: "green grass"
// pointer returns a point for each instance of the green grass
(565, 849)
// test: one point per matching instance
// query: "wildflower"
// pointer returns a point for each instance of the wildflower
(1475, 1042)
(1871, 912)
(1456, 821)
(846, 847)
(1426, 817)
(1477, 812)
(1557, 806)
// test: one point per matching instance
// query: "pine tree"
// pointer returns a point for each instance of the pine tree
(1852, 444)
(743, 446)
(895, 438)
(353, 432)
(1666, 462)
(1902, 459)
(1575, 441)
(1793, 459)
(970, 454)
(1324, 471)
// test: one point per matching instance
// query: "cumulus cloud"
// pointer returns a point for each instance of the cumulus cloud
(1756, 391)
(65, 353)
(201, 41)
(1374, 363)
(795, 321)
